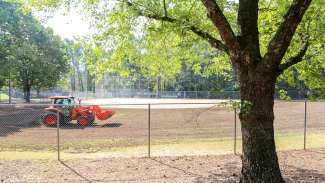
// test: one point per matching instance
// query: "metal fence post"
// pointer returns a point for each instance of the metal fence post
(149, 130)
(305, 126)
(58, 134)
(235, 132)
(9, 88)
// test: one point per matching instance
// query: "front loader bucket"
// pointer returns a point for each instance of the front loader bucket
(96, 109)
(103, 115)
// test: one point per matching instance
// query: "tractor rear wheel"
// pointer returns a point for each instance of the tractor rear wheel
(83, 121)
(91, 119)
(50, 120)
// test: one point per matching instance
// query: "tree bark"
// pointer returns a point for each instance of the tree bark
(38, 93)
(158, 93)
(259, 159)
(27, 93)
(73, 82)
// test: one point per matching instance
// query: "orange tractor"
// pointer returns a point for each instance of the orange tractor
(67, 109)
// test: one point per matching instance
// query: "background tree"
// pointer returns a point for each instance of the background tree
(75, 53)
(33, 54)
(163, 61)
(83, 57)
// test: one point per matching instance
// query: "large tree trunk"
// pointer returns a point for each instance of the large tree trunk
(259, 159)
(73, 81)
(27, 89)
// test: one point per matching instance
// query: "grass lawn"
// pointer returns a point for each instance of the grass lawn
(4, 97)
(161, 147)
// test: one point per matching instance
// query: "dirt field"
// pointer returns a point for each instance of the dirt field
(297, 167)
(20, 128)
(93, 154)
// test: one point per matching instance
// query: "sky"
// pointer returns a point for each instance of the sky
(71, 24)
(68, 25)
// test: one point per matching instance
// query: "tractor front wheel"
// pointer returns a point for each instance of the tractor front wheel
(50, 120)
(83, 121)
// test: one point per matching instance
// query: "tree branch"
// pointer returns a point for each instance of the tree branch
(295, 59)
(213, 41)
(165, 8)
(266, 9)
(208, 37)
(221, 23)
(281, 41)
(248, 35)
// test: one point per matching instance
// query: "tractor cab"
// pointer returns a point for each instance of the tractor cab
(63, 100)
(64, 103)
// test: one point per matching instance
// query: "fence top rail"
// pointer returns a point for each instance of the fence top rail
(122, 104)
(222, 102)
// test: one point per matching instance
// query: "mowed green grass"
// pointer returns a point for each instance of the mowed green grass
(3, 97)
(159, 147)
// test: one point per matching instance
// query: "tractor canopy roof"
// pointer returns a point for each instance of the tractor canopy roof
(61, 97)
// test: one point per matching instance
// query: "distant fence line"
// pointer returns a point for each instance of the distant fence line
(18, 94)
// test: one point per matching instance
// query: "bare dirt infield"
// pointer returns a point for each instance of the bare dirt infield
(21, 130)
(297, 167)
(21, 122)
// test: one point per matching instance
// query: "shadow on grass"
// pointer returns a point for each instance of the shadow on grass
(294, 174)
(75, 172)
(88, 180)
(227, 171)
(76, 126)
(225, 174)
(15, 118)
(230, 174)
(175, 167)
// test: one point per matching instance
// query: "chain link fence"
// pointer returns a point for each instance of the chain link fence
(23, 135)
(139, 130)
(41, 96)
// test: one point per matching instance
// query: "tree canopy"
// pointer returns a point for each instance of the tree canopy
(31, 54)
(173, 25)
(157, 36)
